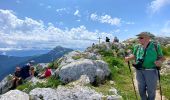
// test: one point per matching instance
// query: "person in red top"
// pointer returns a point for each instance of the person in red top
(47, 73)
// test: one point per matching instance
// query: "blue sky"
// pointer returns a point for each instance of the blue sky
(44, 24)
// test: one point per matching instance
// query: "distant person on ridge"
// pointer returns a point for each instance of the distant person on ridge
(116, 39)
(107, 39)
(148, 57)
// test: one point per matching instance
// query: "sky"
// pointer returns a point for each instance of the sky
(76, 24)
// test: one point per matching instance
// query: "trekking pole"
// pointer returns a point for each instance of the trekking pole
(132, 80)
(160, 83)
(125, 54)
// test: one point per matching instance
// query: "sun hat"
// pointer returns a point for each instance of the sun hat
(148, 34)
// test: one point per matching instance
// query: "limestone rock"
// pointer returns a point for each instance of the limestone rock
(92, 69)
(14, 95)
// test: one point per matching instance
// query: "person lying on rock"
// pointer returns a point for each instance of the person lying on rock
(46, 74)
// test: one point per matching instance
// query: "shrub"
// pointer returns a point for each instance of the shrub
(51, 65)
(57, 62)
(106, 53)
(166, 51)
(52, 82)
(165, 81)
(76, 57)
(112, 61)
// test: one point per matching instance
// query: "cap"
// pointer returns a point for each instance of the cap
(148, 34)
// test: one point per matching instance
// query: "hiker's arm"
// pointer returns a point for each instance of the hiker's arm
(130, 57)
(160, 61)
(161, 58)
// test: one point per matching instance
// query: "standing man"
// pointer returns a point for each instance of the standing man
(148, 57)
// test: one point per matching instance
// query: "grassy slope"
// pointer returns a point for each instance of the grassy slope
(120, 75)
(122, 78)
(165, 83)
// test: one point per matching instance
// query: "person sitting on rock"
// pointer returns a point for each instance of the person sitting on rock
(32, 72)
(47, 73)
(17, 80)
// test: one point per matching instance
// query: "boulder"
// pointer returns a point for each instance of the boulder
(14, 95)
(5, 84)
(66, 93)
(77, 55)
(93, 69)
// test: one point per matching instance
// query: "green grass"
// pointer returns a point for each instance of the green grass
(165, 51)
(120, 74)
(51, 82)
(123, 84)
(77, 57)
(165, 83)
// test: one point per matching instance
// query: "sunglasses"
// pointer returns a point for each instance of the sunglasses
(140, 38)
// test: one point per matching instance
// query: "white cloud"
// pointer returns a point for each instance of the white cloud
(106, 19)
(78, 20)
(156, 5)
(28, 33)
(77, 13)
(61, 9)
(130, 23)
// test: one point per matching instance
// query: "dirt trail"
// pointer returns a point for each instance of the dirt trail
(158, 96)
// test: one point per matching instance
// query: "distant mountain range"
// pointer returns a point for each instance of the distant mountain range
(8, 63)
(24, 53)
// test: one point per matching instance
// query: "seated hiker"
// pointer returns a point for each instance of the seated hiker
(25, 71)
(17, 80)
(32, 72)
(47, 73)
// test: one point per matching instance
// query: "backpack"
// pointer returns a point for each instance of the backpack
(155, 46)
(25, 71)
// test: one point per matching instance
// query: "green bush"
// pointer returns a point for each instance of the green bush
(121, 75)
(166, 51)
(76, 57)
(113, 61)
(51, 65)
(165, 82)
(51, 82)
(57, 62)
(28, 86)
(106, 53)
